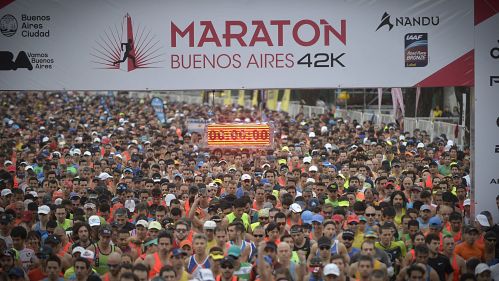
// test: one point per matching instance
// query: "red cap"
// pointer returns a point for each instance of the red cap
(337, 218)
(11, 168)
(353, 218)
(58, 194)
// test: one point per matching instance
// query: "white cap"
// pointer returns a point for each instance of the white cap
(245, 177)
(44, 209)
(33, 193)
(29, 167)
(331, 268)
(76, 151)
(104, 176)
(482, 220)
(78, 249)
(130, 205)
(87, 153)
(295, 208)
(7, 162)
(313, 169)
(58, 201)
(310, 180)
(311, 135)
(142, 223)
(94, 220)
(265, 165)
(420, 145)
(87, 254)
(45, 139)
(324, 129)
(169, 198)
(6, 192)
(402, 137)
(209, 225)
(89, 205)
(328, 146)
(96, 140)
(481, 268)
(467, 202)
(307, 159)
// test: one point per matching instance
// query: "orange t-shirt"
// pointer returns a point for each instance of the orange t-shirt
(466, 251)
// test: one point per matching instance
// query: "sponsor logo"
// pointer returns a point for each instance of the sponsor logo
(416, 49)
(497, 148)
(494, 181)
(404, 21)
(494, 52)
(7, 61)
(8, 25)
(26, 60)
(126, 48)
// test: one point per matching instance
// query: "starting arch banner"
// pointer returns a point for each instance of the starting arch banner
(223, 44)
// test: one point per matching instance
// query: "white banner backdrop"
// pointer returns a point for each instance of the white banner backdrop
(486, 137)
(224, 44)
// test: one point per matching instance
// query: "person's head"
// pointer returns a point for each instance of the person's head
(81, 268)
(234, 230)
(386, 235)
(470, 235)
(128, 276)
(199, 243)
(367, 248)
(433, 242)
(165, 241)
(331, 272)
(227, 265)
(168, 273)
(141, 271)
(284, 252)
(483, 272)
(421, 252)
(449, 244)
(181, 230)
(19, 235)
(415, 273)
(53, 266)
(114, 263)
(365, 266)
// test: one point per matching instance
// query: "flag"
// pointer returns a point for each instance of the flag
(418, 94)
(228, 97)
(254, 101)
(240, 100)
(285, 100)
(272, 96)
(398, 103)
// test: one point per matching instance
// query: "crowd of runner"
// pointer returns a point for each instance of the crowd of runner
(95, 188)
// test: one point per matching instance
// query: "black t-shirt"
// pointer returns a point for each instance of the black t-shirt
(442, 266)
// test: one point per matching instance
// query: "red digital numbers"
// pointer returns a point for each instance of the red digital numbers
(238, 135)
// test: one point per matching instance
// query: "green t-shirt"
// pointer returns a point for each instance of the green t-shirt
(244, 271)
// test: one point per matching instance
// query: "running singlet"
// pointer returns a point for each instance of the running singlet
(193, 264)
(157, 266)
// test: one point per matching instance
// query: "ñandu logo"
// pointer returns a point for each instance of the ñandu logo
(127, 48)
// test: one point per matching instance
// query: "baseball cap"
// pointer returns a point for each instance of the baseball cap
(52, 239)
(481, 268)
(211, 225)
(324, 242)
(105, 231)
(155, 225)
(44, 209)
(370, 234)
(216, 254)
(313, 169)
(87, 254)
(470, 228)
(263, 213)
(104, 176)
(425, 208)
(318, 218)
(6, 192)
(347, 234)
(245, 177)
(353, 218)
(78, 250)
(94, 220)
(482, 220)
(331, 269)
(234, 251)
(5, 218)
(467, 202)
(227, 260)
(178, 252)
(306, 216)
(435, 221)
(295, 208)
(307, 159)
(142, 223)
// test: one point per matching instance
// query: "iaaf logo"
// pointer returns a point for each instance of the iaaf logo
(127, 48)
(407, 21)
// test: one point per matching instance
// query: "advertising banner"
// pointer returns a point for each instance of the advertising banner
(485, 178)
(227, 44)
(159, 108)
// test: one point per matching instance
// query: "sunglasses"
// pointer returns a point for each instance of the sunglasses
(370, 215)
(324, 248)
(224, 266)
(258, 235)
